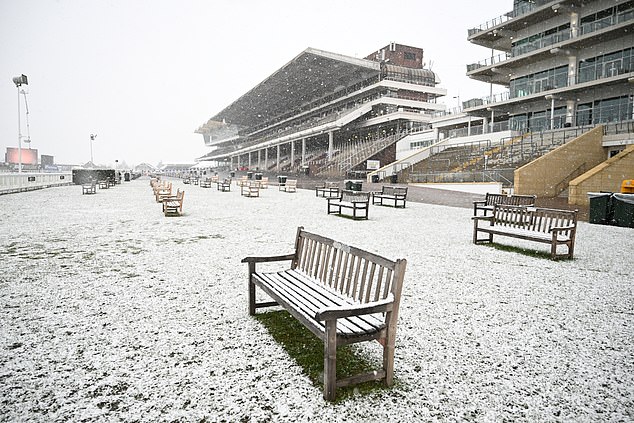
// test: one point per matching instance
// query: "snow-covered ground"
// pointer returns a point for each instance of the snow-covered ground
(111, 311)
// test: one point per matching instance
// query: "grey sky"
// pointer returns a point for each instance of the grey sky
(143, 75)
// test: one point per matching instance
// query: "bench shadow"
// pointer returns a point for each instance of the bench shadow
(308, 352)
(524, 251)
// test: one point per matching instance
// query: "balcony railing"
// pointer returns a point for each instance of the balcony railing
(489, 61)
(490, 24)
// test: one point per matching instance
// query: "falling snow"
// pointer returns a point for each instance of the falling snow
(109, 310)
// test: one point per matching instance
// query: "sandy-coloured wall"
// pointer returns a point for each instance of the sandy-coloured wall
(544, 176)
(607, 176)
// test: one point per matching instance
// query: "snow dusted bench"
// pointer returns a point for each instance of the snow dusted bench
(490, 200)
(173, 206)
(341, 294)
(391, 194)
(327, 190)
(357, 201)
(289, 186)
(89, 188)
(550, 226)
(224, 185)
(250, 189)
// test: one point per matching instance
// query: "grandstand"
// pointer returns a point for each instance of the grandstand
(327, 113)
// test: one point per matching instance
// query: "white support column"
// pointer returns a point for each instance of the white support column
(552, 111)
(259, 160)
(574, 25)
(492, 120)
(330, 145)
(469, 127)
(571, 112)
(266, 159)
(485, 125)
(303, 151)
(277, 164)
(292, 154)
(249, 153)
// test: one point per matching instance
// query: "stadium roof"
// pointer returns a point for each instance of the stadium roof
(313, 74)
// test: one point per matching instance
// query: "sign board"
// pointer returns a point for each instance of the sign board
(372, 164)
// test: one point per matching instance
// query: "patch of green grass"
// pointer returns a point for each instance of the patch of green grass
(308, 352)
(525, 251)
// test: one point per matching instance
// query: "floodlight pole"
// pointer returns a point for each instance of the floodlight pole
(18, 81)
(92, 138)
(19, 134)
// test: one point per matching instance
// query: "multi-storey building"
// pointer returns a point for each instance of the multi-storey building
(563, 63)
(327, 111)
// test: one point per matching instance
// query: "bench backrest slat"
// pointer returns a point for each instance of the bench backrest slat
(358, 274)
(352, 196)
(532, 218)
(389, 190)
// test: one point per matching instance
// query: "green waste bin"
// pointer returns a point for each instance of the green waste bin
(623, 210)
(600, 207)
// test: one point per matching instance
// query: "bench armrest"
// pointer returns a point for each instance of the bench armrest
(355, 309)
(266, 259)
(487, 218)
(478, 202)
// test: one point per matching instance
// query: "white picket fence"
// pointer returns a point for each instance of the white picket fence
(27, 181)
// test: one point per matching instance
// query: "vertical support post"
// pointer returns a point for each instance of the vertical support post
(330, 361)
(259, 160)
(20, 136)
(292, 154)
(266, 159)
(278, 159)
(492, 120)
(251, 290)
(249, 153)
(330, 145)
(303, 151)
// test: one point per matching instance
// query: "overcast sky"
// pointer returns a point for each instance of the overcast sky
(143, 75)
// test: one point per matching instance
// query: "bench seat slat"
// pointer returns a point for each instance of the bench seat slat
(320, 298)
(308, 297)
(329, 298)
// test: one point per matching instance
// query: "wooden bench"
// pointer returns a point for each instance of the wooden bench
(251, 189)
(162, 192)
(242, 180)
(103, 184)
(490, 200)
(264, 182)
(397, 195)
(327, 190)
(289, 186)
(550, 226)
(173, 206)
(356, 201)
(342, 294)
(224, 185)
(205, 183)
(89, 188)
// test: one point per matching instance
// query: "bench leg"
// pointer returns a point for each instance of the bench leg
(330, 361)
(251, 290)
(388, 355)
